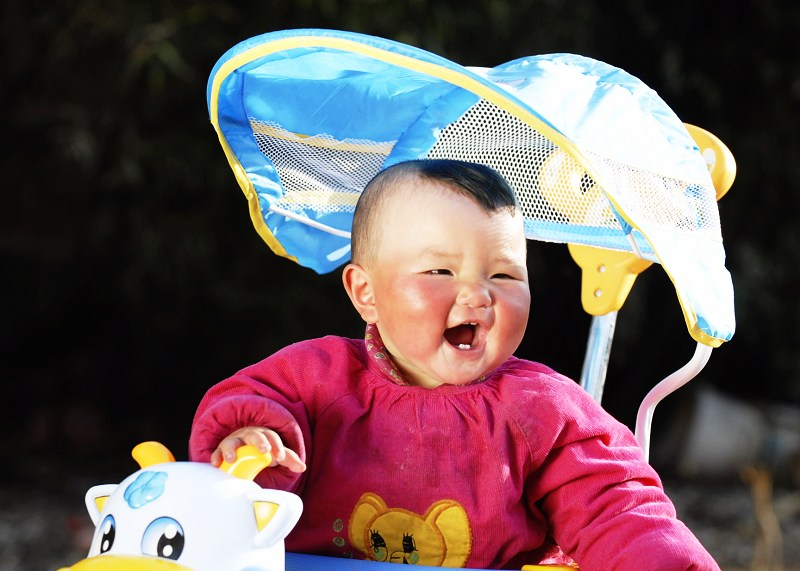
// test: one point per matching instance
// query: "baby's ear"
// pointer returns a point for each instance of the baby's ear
(358, 285)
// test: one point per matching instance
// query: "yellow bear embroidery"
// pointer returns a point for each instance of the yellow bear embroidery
(441, 537)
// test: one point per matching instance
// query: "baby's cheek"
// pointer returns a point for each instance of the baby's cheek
(420, 297)
(515, 314)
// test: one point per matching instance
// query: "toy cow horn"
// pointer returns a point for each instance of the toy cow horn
(249, 462)
(149, 453)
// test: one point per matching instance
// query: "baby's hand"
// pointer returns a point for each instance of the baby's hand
(265, 440)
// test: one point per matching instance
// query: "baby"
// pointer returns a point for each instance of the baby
(428, 442)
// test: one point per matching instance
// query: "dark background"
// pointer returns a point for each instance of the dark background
(132, 279)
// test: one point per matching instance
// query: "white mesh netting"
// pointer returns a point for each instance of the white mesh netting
(324, 175)
(318, 172)
(552, 186)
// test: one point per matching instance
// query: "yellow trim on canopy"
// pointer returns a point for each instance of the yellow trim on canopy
(452, 76)
(692, 325)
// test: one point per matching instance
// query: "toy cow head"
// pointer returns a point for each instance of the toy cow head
(176, 516)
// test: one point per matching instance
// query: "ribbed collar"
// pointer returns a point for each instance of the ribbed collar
(380, 356)
(383, 359)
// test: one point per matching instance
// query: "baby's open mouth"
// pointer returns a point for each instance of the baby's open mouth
(461, 336)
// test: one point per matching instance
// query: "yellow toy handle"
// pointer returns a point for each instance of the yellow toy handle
(249, 462)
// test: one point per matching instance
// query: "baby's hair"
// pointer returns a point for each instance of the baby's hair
(479, 182)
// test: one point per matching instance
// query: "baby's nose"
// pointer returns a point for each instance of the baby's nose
(474, 295)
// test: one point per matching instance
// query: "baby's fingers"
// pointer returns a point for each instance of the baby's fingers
(292, 461)
(227, 449)
(265, 441)
(216, 458)
(228, 446)
(283, 456)
(274, 445)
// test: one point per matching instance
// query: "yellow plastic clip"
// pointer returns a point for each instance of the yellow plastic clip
(719, 158)
(607, 277)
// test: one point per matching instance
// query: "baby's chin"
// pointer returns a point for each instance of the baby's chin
(470, 368)
(452, 380)
(447, 370)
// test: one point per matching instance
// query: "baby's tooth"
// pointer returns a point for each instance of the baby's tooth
(464, 346)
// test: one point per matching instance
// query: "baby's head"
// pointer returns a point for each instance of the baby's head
(439, 266)
(484, 185)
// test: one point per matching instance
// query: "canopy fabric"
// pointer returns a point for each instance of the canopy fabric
(308, 117)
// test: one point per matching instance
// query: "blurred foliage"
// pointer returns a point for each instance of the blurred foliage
(133, 279)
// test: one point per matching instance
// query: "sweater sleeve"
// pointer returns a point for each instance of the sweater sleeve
(261, 395)
(605, 504)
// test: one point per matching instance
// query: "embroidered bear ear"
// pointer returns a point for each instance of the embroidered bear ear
(368, 507)
(451, 519)
(249, 462)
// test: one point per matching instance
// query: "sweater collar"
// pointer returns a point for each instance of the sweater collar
(380, 356)
(383, 359)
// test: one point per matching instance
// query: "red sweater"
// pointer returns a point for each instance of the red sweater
(487, 475)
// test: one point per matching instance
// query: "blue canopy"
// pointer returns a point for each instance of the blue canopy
(308, 117)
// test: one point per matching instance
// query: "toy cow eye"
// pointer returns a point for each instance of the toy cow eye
(109, 531)
(163, 538)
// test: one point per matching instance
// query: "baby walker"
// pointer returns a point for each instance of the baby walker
(307, 117)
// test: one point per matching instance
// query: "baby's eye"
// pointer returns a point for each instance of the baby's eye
(439, 272)
(502, 276)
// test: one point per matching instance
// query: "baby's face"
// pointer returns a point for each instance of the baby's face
(450, 285)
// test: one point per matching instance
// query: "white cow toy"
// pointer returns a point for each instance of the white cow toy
(175, 516)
